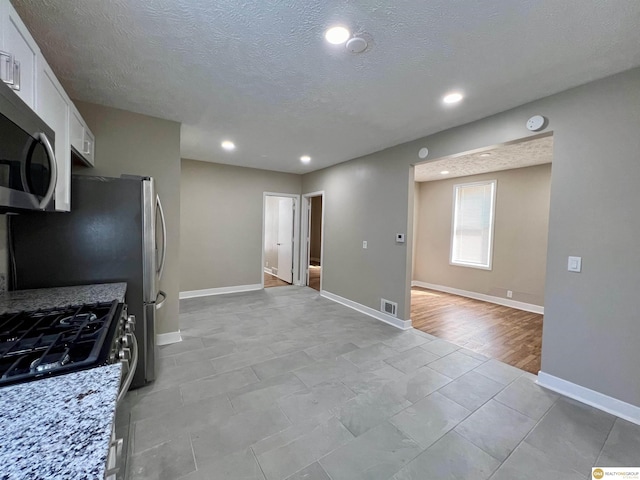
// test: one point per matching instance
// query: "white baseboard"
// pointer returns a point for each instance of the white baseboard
(506, 302)
(219, 291)
(383, 317)
(168, 338)
(268, 270)
(590, 397)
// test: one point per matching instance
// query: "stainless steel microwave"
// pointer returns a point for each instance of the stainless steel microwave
(27, 163)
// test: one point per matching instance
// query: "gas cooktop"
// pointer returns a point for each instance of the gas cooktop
(55, 341)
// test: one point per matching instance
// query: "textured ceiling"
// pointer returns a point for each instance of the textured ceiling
(518, 155)
(259, 73)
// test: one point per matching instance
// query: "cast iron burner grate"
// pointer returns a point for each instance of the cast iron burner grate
(47, 342)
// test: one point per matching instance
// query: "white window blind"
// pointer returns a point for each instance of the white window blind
(472, 232)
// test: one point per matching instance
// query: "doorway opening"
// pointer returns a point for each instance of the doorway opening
(280, 242)
(480, 249)
(313, 235)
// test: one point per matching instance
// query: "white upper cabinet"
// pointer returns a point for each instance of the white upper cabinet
(82, 140)
(53, 107)
(25, 70)
(19, 57)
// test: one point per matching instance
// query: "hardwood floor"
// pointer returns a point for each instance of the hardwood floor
(506, 334)
(314, 276)
(273, 281)
(314, 279)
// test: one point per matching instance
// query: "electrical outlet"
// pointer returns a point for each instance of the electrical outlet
(509, 294)
(364, 244)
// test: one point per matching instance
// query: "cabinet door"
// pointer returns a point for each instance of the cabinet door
(89, 146)
(53, 108)
(76, 130)
(82, 140)
(18, 42)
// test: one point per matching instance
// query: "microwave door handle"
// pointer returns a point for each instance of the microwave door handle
(23, 166)
(164, 237)
(54, 171)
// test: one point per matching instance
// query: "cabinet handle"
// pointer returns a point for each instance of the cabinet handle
(16, 75)
(7, 61)
(87, 147)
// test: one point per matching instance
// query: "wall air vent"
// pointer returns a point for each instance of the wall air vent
(390, 308)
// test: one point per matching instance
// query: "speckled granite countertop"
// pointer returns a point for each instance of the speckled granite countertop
(38, 298)
(58, 427)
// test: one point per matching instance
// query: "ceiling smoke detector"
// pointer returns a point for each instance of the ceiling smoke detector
(356, 45)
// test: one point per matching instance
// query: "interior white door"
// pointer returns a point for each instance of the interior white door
(285, 239)
(308, 243)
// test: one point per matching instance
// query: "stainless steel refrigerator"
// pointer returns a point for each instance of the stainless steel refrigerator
(115, 232)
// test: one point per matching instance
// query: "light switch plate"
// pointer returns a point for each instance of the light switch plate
(364, 244)
(574, 264)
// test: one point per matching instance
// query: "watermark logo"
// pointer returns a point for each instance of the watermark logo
(615, 473)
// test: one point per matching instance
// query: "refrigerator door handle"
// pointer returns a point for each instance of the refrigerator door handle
(161, 303)
(164, 237)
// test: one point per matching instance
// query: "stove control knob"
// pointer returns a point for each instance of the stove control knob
(124, 354)
(127, 340)
(131, 323)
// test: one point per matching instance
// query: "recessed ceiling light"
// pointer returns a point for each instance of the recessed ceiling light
(305, 159)
(337, 35)
(453, 97)
(444, 172)
(228, 145)
(485, 154)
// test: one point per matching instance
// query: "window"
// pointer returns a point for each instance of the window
(472, 231)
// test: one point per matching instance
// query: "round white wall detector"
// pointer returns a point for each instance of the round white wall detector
(423, 152)
(536, 123)
(357, 45)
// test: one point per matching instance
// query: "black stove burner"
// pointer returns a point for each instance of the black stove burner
(43, 364)
(79, 319)
(48, 342)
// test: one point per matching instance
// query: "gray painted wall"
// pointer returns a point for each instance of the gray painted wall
(520, 235)
(221, 223)
(591, 322)
(140, 145)
(365, 199)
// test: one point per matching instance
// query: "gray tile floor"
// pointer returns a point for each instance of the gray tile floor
(283, 384)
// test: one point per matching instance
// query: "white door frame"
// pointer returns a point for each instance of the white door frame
(296, 234)
(305, 212)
